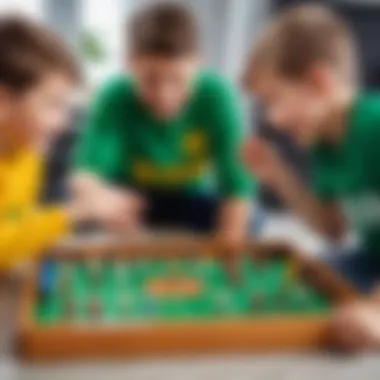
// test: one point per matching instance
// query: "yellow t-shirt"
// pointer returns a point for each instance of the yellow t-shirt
(25, 227)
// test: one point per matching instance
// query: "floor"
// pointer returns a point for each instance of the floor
(277, 367)
(236, 367)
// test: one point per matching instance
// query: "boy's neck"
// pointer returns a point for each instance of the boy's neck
(10, 148)
(5, 148)
(335, 124)
(8, 151)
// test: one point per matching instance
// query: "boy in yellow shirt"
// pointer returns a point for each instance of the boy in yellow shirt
(37, 75)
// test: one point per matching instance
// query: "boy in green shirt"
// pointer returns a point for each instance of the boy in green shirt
(155, 135)
(304, 70)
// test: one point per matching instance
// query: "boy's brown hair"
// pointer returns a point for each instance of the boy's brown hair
(164, 29)
(28, 51)
(299, 38)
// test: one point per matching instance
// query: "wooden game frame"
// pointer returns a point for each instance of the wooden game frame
(74, 341)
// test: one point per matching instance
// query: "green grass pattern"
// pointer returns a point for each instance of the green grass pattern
(120, 292)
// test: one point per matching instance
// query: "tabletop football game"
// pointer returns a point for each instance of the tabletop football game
(176, 296)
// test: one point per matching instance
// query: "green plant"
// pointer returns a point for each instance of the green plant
(91, 47)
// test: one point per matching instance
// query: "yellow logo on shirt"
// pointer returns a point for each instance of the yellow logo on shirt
(195, 143)
(146, 173)
(190, 167)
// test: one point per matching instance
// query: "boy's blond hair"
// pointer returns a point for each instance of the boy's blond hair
(299, 38)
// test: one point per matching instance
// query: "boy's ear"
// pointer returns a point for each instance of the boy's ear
(320, 77)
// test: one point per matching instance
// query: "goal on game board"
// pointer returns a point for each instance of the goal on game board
(176, 295)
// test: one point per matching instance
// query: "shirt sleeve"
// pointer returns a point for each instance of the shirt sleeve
(227, 138)
(99, 150)
(322, 182)
(22, 237)
(26, 228)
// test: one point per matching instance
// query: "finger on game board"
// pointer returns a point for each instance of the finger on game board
(95, 308)
(231, 260)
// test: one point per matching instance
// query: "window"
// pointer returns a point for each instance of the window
(30, 7)
(101, 36)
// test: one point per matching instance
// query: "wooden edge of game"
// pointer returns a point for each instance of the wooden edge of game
(75, 341)
(159, 247)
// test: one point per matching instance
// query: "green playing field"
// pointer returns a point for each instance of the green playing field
(120, 291)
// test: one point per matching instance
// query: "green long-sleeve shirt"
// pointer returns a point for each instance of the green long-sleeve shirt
(122, 141)
(348, 172)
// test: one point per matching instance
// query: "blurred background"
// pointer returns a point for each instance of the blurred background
(93, 28)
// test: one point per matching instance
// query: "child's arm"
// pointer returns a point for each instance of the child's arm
(34, 229)
(355, 326)
(92, 189)
(23, 236)
(235, 184)
(234, 216)
(325, 217)
(101, 156)
(27, 229)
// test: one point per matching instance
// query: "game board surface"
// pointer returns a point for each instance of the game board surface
(149, 290)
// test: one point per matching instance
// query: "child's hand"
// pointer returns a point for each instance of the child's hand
(124, 210)
(232, 239)
(262, 159)
(111, 207)
(233, 223)
(357, 327)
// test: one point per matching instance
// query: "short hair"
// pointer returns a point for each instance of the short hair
(29, 50)
(165, 29)
(300, 37)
